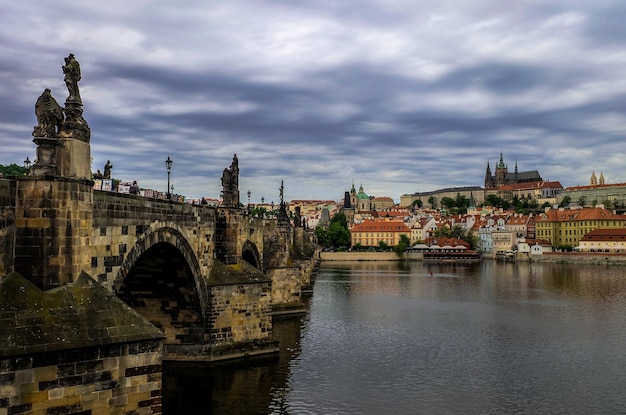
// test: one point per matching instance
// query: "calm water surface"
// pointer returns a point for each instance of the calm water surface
(390, 338)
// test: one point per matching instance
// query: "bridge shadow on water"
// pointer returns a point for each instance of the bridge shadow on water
(246, 387)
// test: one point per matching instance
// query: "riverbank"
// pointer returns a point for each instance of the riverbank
(370, 256)
(549, 257)
(594, 258)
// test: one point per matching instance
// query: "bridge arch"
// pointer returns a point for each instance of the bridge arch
(250, 254)
(161, 278)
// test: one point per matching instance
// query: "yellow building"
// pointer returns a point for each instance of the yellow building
(605, 241)
(568, 226)
(371, 233)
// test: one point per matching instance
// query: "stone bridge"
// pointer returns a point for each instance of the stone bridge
(100, 288)
(205, 276)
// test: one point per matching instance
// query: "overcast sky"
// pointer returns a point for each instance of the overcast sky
(401, 96)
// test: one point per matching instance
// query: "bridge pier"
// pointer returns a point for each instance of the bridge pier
(53, 228)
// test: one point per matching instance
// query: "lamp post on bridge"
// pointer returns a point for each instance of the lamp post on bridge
(168, 167)
(27, 165)
(249, 193)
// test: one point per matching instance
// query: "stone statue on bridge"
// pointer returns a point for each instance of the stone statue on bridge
(71, 69)
(230, 184)
(49, 116)
(107, 170)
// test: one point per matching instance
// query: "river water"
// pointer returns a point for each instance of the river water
(393, 338)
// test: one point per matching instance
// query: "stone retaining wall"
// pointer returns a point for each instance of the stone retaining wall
(580, 258)
(106, 380)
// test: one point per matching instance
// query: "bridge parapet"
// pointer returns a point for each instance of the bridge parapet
(127, 223)
(7, 224)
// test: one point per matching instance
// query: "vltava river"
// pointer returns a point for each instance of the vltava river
(391, 338)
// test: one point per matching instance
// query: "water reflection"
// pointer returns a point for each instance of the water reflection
(388, 338)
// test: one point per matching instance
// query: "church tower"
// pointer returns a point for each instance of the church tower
(353, 196)
(489, 182)
(601, 179)
(501, 172)
(593, 181)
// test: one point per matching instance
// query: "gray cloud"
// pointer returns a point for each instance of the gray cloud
(396, 95)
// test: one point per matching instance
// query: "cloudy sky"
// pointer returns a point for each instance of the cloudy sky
(401, 96)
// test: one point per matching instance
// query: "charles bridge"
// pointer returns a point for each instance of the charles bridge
(100, 288)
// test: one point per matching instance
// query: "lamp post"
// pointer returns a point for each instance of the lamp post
(27, 164)
(249, 193)
(168, 166)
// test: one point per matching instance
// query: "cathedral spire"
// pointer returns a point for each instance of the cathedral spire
(489, 182)
(500, 163)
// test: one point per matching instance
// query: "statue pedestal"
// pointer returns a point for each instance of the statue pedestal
(74, 158)
(47, 152)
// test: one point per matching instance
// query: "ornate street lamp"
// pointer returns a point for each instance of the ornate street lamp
(262, 200)
(27, 164)
(249, 193)
(168, 166)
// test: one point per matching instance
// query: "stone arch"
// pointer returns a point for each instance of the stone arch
(250, 254)
(172, 234)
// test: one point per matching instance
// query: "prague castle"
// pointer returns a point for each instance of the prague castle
(503, 177)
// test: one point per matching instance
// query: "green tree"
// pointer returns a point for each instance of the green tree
(447, 202)
(565, 201)
(258, 211)
(433, 202)
(417, 203)
(13, 170)
(443, 231)
(458, 232)
(462, 203)
(337, 235)
(323, 238)
(495, 201)
(403, 244)
(341, 219)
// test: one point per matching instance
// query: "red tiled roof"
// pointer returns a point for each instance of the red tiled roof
(380, 226)
(612, 234)
(541, 242)
(571, 215)
(443, 241)
(595, 186)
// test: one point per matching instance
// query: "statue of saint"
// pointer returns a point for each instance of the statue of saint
(49, 116)
(71, 69)
(107, 169)
(234, 172)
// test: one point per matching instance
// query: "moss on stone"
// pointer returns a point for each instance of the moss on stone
(239, 273)
(83, 314)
